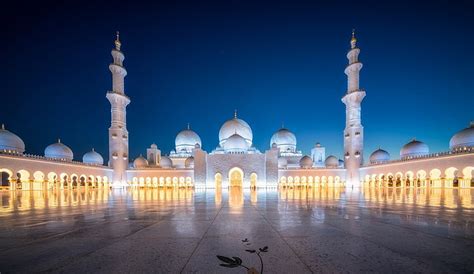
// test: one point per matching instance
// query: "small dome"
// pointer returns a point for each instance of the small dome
(306, 162)
(235, 126)
(186, 141)
(140, 162)
(165, 162)
(463, 138)
(379, 156)
(58, 151)
(154, 146)
(331, 162)
(284, 139)
(10, 141)
(236, 143)
(414, 149)
(282, 162)
(93, 158)
(189, 162)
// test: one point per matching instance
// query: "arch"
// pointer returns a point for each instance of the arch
(218, 180)
(161, 181)
(283, 181)
(105, 179)
(24, 175)
(182, 182)
(450, 177)
(297, 181)
(435, 178)
(6, 176)
(168, 181)
(82, 180)
(38, 176)
(155, 181)
(468, 178)
(310, 180)
(52, 179)
(175, 181)
(141, 181)
(189, 181)
(135, 181)
(290, 181)
(253, 180)
(304, 180)
(330, 181)
(236, 177)
(337, 181)
(148, 181)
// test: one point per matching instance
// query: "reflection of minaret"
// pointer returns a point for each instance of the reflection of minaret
(354, 131)
(118, 134)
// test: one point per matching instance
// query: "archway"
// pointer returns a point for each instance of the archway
(218, 180)
(236, 177)
(253, 180)
(5, 176)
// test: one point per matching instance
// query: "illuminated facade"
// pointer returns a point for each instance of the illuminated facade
(235, 162)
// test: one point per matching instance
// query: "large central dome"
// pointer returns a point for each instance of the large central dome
(235, 126)
(186, 141)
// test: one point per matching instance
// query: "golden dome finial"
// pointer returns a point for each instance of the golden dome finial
(3, 126)
(117, 41)
(235, 113)
(353, 39)
(189, 127)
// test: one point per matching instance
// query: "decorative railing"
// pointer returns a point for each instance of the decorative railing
(39, 157)
(466, 150)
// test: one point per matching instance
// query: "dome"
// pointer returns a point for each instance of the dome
(10, 141)
(189, 162)
(306, 162)
(236, 143)
(154, 146)
(165, 162)
(58, 151)
(235, 126)
(282, 162)
(140, 162)
(186, 141)
(379, 156)
(331, 161)
(93, 158)
(284, 139)
(413, 149)
(463, 138)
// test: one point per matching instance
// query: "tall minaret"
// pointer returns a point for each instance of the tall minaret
(354, 131)
(118, 134)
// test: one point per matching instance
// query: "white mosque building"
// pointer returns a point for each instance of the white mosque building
(236, 162)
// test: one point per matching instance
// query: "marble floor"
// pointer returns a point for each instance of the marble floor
(173, 231)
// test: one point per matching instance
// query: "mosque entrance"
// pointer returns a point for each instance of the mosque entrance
(236, 177)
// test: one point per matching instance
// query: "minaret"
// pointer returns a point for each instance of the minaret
(354, 131)
(118, 134)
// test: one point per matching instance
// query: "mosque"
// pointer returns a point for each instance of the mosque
(236, 162)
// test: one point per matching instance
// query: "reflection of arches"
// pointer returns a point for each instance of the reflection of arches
(253, 180)
(236, 177)
(218, 180)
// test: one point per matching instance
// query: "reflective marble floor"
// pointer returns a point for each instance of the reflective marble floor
(172, 231)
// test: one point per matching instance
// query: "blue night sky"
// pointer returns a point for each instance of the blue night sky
(197, 61)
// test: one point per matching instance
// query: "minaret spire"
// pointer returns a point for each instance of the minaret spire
(118, 134)
(354, 131)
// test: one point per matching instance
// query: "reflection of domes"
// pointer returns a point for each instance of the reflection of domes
(282, 162)
(186, 141)
(413, 149)
(379, 156)
(331, 161)
(189, 162)
(58, 151)
(10, 142)
(93, 158)
(285, 140)
(306, 162)
(165, 162)
(463, 138)
(236, 143)
(235, 126)
(140, 162)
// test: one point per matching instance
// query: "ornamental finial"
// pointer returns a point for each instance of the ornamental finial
(235, 113)
(189, 127)
(282, 124)
(3, 126)
(117, 41)
(59, 140)
(353, 39)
